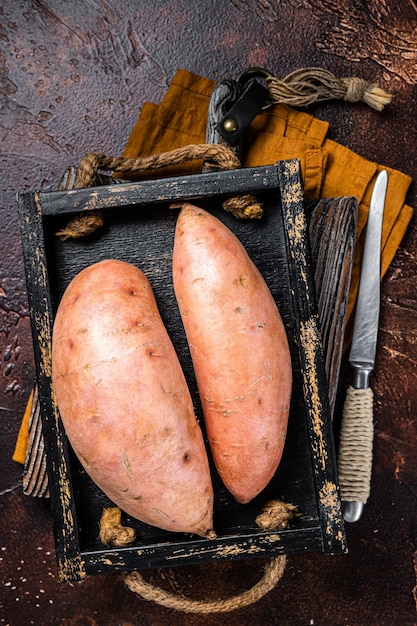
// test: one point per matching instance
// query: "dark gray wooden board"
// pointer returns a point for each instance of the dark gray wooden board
(139, 228)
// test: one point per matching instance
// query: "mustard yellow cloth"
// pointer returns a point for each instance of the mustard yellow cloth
(329, 169)
(19, 454)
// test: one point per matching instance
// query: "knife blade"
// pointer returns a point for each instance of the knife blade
(357, 429)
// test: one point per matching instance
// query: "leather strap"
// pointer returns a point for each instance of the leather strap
(235, 122)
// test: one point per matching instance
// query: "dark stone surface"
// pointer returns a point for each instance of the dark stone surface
(73, 79)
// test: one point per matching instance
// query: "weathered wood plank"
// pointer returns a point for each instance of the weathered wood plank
(61, 488)
(156, 191)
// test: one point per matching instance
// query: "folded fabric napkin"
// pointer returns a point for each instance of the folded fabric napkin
(329, 169)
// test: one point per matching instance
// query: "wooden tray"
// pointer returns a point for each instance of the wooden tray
(139, 228)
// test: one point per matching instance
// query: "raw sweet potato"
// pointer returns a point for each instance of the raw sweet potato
(239, 350)
(124, 401)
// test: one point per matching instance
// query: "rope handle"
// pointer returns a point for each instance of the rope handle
(213, 154)
(244, 206)
(274, 571)
(275, 515)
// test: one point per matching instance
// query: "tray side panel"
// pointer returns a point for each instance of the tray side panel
(311, 357)
(70, 566)
(239, 547)
(234, 182)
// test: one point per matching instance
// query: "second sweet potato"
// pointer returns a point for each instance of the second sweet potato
(239, 350)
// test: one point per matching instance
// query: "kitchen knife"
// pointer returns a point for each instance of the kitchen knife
(357, 429)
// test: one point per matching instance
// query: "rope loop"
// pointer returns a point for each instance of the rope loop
(274, 571)
(275, 515)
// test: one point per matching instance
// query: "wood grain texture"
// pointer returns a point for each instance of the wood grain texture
(73, 79)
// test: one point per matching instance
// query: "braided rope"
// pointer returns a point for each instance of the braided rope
(210, 153)
(314, 84)
(84, 224)
(275, 515)
(274, 570)
(356, 446)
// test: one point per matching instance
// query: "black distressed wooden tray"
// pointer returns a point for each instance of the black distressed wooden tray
(139, 228)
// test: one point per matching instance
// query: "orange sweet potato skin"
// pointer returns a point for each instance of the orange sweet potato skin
(239, 349)
(124, 401)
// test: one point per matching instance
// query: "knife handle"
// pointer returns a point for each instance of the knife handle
(356, 445)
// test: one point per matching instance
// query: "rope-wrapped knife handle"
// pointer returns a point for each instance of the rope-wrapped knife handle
(356, 446)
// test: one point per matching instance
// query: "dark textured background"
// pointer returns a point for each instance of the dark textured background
(73, 78)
